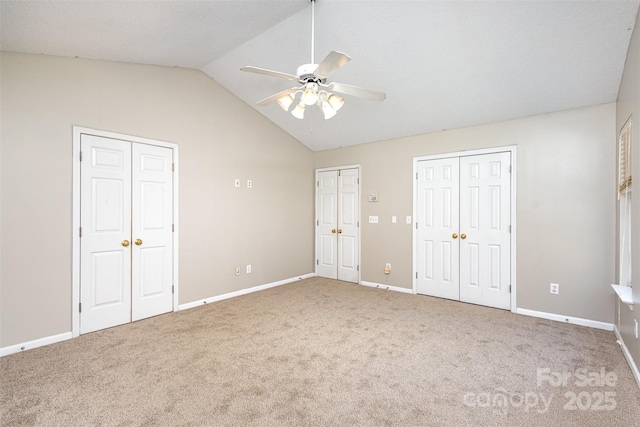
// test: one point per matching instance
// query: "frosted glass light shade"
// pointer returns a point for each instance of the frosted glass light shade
(310, 94)
(327, 110)
(298, 112)
(285, 102)
(335, 101)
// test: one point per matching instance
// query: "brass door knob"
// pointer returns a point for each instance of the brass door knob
(333, 231)
(463, 236)
(455, 236)
(138, 242)
(125, 243)
(340, 230)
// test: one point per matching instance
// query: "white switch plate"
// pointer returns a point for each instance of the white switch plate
(408, 219)
(237, 183)
(554, 288)
(373, 219)
(394, 219)
(249, 183)
(248, 268)
(237, 271)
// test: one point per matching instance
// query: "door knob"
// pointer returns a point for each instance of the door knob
(340, 230)
(455, 236)
(125, 243)
(138, 242)
(333, 231)
(463, 236)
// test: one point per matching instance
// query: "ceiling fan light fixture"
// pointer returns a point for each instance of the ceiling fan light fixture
(298, 112)
(286, 101)
(310, 94)
(327, 110)
(335, 101)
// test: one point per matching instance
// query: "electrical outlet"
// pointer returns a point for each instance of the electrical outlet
(237, 271)
(554, 288)
(248, 268)
(249, 183)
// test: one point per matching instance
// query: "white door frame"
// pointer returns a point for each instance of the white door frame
(75, 229)
(508, 149)
(315, 201)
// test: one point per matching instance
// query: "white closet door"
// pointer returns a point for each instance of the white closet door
(327, 224)
(438, 228)
(485, 217)
(152, 219)
(105, 191)
(348, 225)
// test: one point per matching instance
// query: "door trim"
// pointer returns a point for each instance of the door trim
(75, 272)
(507, 149)
(315, 214)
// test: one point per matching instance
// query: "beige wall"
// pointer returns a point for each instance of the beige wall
(220, 138)
(565, 205)
(629, 105)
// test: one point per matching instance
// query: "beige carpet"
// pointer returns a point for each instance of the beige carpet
(325, 353)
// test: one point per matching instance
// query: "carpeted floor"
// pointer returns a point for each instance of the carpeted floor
(325, 353)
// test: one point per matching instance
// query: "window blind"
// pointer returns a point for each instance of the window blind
(624, 159)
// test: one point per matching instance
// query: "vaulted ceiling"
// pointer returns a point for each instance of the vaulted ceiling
(442, 64)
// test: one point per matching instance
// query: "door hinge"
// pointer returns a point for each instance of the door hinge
(81, 156)
(317, 262)
(173, 289)
(173, 228)
(416, 274)
(509, 229)
(80, 231)
(358, 181)
(317, 183)
(80, 307)
(339, 172)
(416, 175)
(173, 167)
(358, 268)
(509, 168)
(317, 222)
(416, 225)
(358, 223)
(509, 288)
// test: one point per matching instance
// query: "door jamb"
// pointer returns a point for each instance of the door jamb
(315, 214)
(510, 149)
(75, 272)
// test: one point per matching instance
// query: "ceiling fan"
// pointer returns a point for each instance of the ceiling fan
(314, 88)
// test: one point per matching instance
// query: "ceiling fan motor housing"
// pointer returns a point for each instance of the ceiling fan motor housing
(305, 74)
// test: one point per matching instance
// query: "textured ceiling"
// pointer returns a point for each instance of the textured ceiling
(443, 64)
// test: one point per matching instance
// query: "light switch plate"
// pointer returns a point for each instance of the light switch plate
(394, 219)
(373, 219)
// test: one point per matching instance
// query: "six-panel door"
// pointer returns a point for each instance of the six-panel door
(126, 244)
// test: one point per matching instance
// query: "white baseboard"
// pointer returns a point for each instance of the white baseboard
(17, 348)
(243, 292)
(627, 355)
(566, 319)
(387, 287)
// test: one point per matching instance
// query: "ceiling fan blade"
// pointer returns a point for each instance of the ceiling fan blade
(274, 98)
(271, 73)
(332, 63)
(358, 91)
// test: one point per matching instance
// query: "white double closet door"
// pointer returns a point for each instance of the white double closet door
(463, 229)
(126, 244)
(337, 224)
